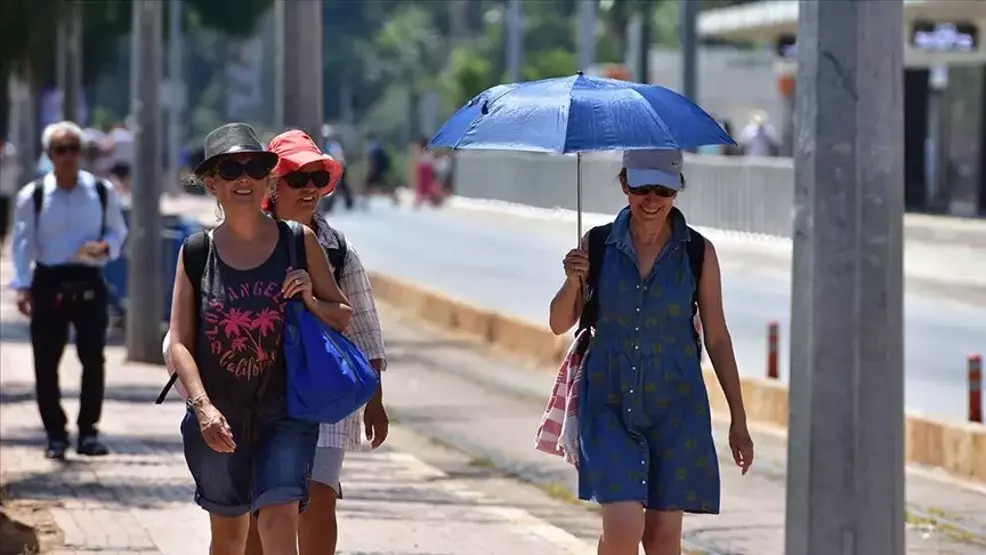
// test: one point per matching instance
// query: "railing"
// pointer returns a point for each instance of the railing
(753, 195)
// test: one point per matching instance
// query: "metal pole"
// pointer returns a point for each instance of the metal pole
(643, 57)
(176, 93)
(578, 198)
(72, 84)
(845, 478)
(145, 295)
(515, 40)
(587, 34)
(302, 63)
(687, 17)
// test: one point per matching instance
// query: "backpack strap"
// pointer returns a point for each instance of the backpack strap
(194, 255)
(337, 255)
(696, 260)
(296, 245)
(38, 196)
(102, 191)
(597, 249)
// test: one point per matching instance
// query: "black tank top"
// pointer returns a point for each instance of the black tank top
(240, 345)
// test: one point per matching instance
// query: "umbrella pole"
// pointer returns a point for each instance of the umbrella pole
(578, 211)
(578, 198)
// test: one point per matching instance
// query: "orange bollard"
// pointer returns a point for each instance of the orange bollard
(772, 341)
(975, 388)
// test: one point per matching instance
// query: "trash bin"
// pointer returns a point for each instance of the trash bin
(174, 230)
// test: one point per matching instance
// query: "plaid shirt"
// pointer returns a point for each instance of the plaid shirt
(364, 331)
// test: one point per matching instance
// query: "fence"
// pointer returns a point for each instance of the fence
(754, 195)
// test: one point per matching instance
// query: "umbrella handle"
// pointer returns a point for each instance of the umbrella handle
(578, 196)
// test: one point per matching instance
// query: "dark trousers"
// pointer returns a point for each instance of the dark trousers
(5, 209)
(64, 295)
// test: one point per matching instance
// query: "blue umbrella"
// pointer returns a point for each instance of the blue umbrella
(578, 114)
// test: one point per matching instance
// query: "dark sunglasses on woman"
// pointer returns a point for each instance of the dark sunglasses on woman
(659, 190)
(255, 168)
(300, 179)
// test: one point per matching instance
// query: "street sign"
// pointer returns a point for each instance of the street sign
(930, 36)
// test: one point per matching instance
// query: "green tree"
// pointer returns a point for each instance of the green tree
(407, 53)
(28, 32)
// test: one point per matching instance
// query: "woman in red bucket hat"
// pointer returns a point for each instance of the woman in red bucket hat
(304, 174)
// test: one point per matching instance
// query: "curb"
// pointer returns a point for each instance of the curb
(956, 448)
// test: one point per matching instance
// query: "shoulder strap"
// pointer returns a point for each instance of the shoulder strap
(194, 254)
(337, 255)
(297, 245)
(597, 248)
(102, 191)
(193, 257)
(696, 259)
(39, 198)
(696, 256)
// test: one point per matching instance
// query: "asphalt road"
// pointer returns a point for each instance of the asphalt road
(512, 264)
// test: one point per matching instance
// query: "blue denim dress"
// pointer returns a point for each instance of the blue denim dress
(644, 423)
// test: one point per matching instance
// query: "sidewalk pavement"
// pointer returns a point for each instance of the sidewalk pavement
(139, 498)
(442, 377)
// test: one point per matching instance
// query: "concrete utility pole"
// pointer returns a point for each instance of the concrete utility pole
(278, 65)
(176, 93)
(587, 34)
(515, 40)
(302, 63)
(145, 278)
(687, 19)
(845, 477)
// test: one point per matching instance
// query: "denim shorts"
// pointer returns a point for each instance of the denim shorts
(274, 469)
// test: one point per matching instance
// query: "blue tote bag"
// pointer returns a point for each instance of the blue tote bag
(328, 376)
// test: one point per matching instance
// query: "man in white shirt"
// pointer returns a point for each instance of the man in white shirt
(67, 225)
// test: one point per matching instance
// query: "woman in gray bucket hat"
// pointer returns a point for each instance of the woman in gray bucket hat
(245, 454)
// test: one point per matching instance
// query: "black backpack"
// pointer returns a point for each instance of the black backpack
(597, 248)
(39, 198)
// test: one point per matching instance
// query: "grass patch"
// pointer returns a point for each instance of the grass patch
(935, 521)
(483, 462)
(561, 492)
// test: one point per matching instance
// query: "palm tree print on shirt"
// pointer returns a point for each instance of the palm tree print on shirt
(245, 331)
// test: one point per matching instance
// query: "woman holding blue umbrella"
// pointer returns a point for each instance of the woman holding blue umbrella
(646, 452)
(645, 438)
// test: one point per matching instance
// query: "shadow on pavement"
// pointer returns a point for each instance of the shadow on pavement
(21, 392)
(19, 331)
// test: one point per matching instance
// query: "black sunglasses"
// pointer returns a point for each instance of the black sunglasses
(255, 168)
(73, 148)
(659, 190)
(300, 179)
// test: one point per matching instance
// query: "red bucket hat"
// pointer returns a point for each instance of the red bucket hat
(296, 149)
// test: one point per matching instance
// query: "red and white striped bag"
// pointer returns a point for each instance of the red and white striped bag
(558, 433)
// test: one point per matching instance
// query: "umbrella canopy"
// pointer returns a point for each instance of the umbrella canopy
(579, 114)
